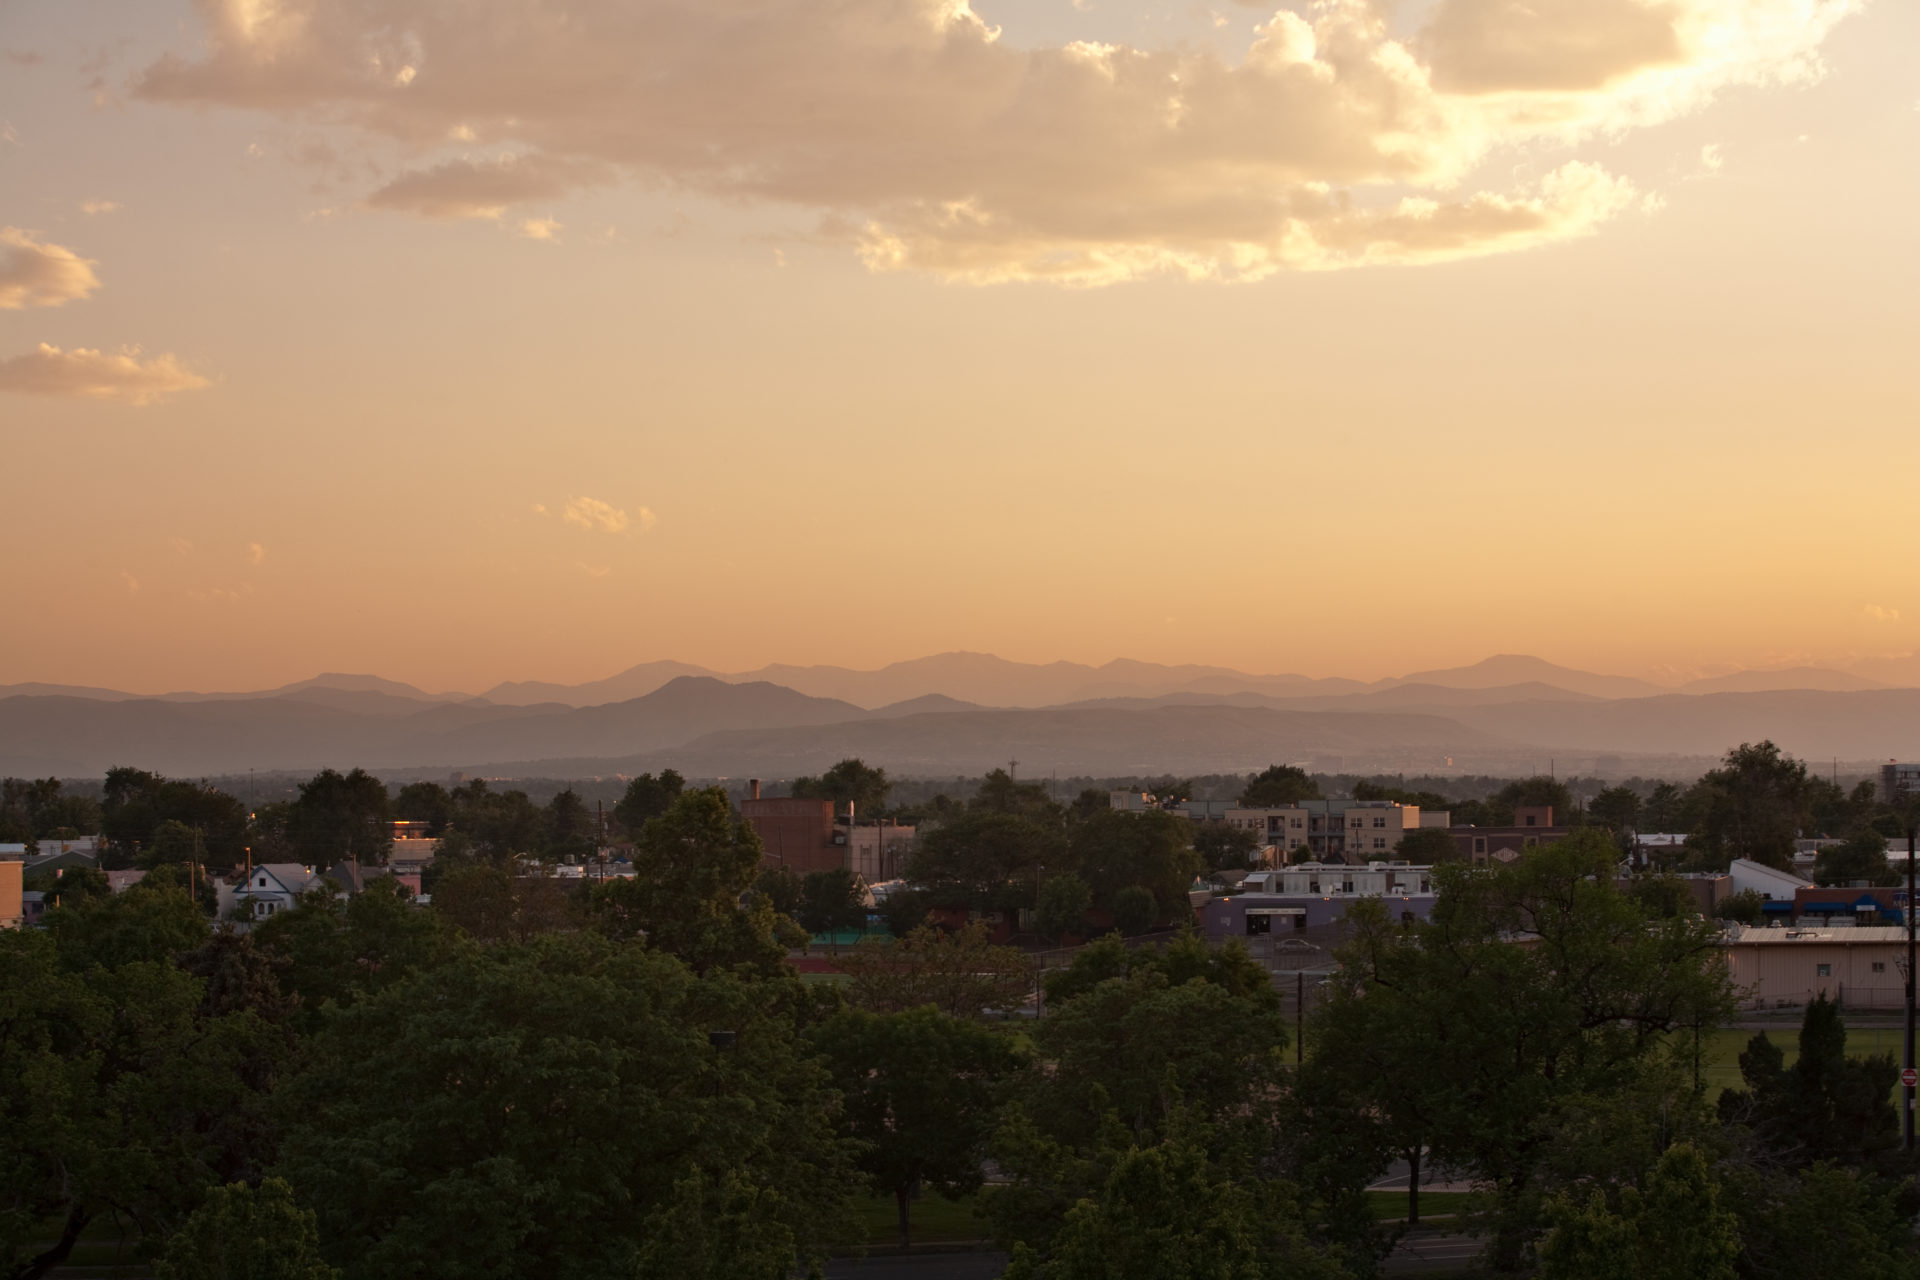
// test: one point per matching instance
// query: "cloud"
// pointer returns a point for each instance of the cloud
(97, 375)
(256, 553)
(1880, 613)
(595, 570)
(597, 516)
(131, 583)
(34, 273)
(92, 207)
(916, 136)
(1710, 158)
(540, 229)
(480, 188)
(180, 545)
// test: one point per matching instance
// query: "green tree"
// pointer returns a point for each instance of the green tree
(780, 887)
(1517, 1037)
(172, 842)
(832, 901)
(1279, 786)
(570, 827)
(1862, 856)
(1532, 793)
(246, 1233)
(1744, 907)
(532, 1110)
(1000, 792)
(341, 817)
(120, 1095)
(1665, 810)
(503, 903)
(1827, 1106)
(151, 922)
(1134, 910)
(647, 798)
(851, 782)
(1150, 851)
(134, 802)
(1824, 1218)
(1676, 1230)
(1427, 846)
(1062, 906)
(1617, 809)
(426, 802)
(920, 1090)
(960, 973)
(1755, 805)
(986, 860)
(692, 865)
(1222, 847)
(329, 952)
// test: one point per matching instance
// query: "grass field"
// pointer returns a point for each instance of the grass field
(1393, 1204)
(934, 1219)
(1720, 1050)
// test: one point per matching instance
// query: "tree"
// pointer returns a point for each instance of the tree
(503, 904)
(1617, 809)
(1516, 1039)
(535, 1111)
(120, 1094)
(1798, 1226)
(780, 887)
(1134, 910)
(1427, 846)
(1172, 1211)
(1755, 805)
(149, 922)
(832, 901)
(1151, 851)
(134, 802)
(920, 1091)
(1744, 907)
(172, 842)
(1534, 792)
(1665, 810)
(1676, 1230)
(647, 798)
(1062, 906)
(246, 1233)
(1828, 1106)
(958, 973)
(1090, 801)
(329, 952)
(1279, 786)
(570, 827)
(341, 817)
(1222, 847)
(1000, 792)
(426, 802)
(692, 865)
(986, 860)
(850, 783)
(1861, 857)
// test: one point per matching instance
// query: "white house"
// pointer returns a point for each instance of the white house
(269, 888)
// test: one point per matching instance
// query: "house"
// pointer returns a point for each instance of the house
(33, 905)
(1857, 967)
(269, 888)
(121, 881)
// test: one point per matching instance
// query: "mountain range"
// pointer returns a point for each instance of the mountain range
(961, 713)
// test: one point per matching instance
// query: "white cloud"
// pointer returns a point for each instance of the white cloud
(256, 554)
(97, 375)
(92, 207)
(597, 516)
(929, 144)
(1710, 158)
(540, 229)
(1880, 613)
(34, 273)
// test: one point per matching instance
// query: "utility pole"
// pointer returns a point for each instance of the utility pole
(1299, 1017)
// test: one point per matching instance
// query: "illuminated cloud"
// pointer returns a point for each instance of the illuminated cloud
(131, 583)
(34, 273)
(929, 144)
(1880, 613)
(256, 553)
(97, 375)
(540, 229)
(594, 515)
(93, 207)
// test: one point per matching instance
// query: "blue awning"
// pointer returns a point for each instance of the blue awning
(1867, 902)
(1776, 906)
(1829, 906)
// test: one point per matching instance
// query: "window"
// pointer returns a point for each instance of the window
(1346, 886)
(1379, 821)
(1313, 886)
(1379, 842)
(1823, 970)
(1479, 844)
(1879, 966)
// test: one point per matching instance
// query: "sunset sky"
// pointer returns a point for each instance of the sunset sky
(471, 340)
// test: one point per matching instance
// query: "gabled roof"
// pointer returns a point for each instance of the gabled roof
(285, 877)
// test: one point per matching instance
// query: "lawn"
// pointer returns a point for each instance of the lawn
(933, 1219)
(1720, 1050)
(1393, 1204)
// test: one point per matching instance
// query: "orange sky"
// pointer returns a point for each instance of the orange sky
(1349, 339)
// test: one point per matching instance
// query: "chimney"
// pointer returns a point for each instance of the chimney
(753, 788)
